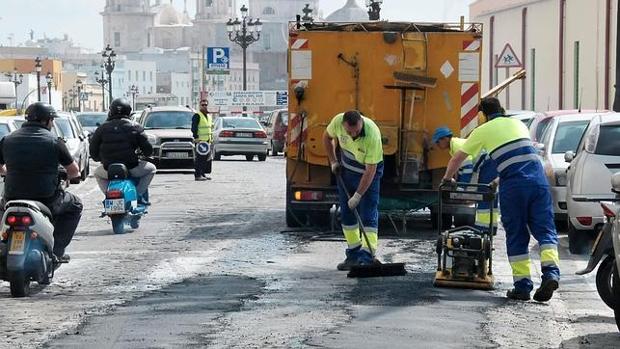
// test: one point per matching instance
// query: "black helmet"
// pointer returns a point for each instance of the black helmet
(120, 108)
(41, 112)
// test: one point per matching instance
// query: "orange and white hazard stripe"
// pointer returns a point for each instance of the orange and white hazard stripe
(469, 107)
(299, 44)
(295, 126)
(471, 45)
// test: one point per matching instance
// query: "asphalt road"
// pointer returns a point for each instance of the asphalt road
(211, 267)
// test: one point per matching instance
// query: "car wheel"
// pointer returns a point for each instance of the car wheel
(274, 151)
(262, 157)
(578, 240)
(84, 173)
(217, 157)
(249, 157)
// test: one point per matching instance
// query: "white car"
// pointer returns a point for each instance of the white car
(526, 116)
(563, 134)
(589, 176)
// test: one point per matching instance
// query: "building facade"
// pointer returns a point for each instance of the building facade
(567, 48)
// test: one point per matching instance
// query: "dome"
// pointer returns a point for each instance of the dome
(168, 15)
(351, 12)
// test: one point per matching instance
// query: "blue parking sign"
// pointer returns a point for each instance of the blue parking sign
(218, 60)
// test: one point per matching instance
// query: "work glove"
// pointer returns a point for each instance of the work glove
(448, 182)
(336, 168)
(354, 201)
(494, 184)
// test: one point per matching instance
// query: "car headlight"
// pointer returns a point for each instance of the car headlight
(561, 178)
(153, 139)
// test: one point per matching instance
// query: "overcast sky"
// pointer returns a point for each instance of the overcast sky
(80, 19)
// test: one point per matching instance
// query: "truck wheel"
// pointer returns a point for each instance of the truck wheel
(20, 284)
(118, 224)
(604, 281)
(578, 240)
(461, 220)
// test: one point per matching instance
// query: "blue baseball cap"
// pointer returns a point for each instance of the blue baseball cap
(441, 132)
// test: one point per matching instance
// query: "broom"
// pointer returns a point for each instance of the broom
(377, 268)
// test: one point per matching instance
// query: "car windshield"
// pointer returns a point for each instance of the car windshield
(169, 120)
(608, 141)
(91, 120)
(65, 128)
(568, 135)
(4, 130)
(240, 123)
(285, 118)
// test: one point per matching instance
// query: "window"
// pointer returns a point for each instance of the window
(266, 41)
(129, 75)
(117, 39)
(269, 11)
(144, 76)
(568, 135)
(137, 73)
(208, 3)
(608, 141)
(150, 76)
(542, 126)
(169, 120)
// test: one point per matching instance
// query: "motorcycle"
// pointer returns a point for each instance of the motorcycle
(121, 202)
(27, 244)
(615, 184)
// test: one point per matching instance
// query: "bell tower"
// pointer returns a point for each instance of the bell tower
(215, 9)
(126, 24)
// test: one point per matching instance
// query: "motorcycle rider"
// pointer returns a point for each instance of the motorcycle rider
(116, 141)
(30, 157)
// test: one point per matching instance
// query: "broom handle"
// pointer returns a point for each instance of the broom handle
(357, 216)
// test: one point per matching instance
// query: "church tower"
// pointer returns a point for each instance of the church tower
(215, 9)
(126, 24)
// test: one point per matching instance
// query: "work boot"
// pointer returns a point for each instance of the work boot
(351, 260)
(545, 291)
(200, 179)
(365, 258)
(518, 295)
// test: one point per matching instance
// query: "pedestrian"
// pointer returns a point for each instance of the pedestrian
(30, 157)
(444, 139)
(361, 166)
(202, 130)
(525, 197)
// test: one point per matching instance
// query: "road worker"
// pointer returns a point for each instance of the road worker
(524, 195)
(444, 139)
(361, 166)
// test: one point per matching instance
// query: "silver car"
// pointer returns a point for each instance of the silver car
(239, 136)
(70, 130)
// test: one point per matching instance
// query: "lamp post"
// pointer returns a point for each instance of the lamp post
(16, 80)
(109, 63)
(49, 78)
(133, 90)
(244, 33)
(374, 9)
(307, 18)
(79, 85)
(101, 81)
(38, 66)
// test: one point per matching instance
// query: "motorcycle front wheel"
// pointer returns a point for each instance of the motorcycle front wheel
(118, 224)
(616, 292)
(20, 284)
(604, 281)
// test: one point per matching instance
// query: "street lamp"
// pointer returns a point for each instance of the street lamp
(79, 85)
(134, 91)
(109, 56)
(101, 81)
(374, 9)
(49, 79)
(16, 80)
(244, 33)
(307, 18)
(38, 66)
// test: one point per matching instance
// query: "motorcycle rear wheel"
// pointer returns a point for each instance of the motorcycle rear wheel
(20, 284)
(604, 281)
(118, 224)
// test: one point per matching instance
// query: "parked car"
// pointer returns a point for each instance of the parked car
(170, 132)
(542, 121)
(77, 142)
(7, 125)
(526, 116)
(239, 136)
(90, 121)
(588, 176)
(276, 125)
(563, 134)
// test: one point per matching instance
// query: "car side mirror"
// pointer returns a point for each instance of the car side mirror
(540, 148)
(615, 183)
(569, 156)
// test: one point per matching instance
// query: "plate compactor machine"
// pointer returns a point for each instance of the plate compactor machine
(465, 254)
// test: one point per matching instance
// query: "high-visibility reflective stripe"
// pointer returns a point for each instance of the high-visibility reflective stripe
(520, 267)
(373, 238)
(510, 147)
(549, 256)
(352, 235)
(516, 159)
(349, 162)
(352, 168)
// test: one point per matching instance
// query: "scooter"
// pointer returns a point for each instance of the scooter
(121, 202)
(615, 234)
(27, 244)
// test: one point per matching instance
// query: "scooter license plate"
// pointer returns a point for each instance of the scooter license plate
(17, 242)
(114, 206)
